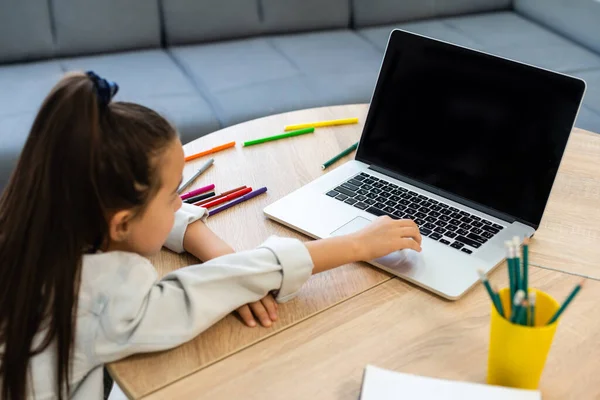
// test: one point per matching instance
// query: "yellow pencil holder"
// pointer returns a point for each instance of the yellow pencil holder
(517, 353)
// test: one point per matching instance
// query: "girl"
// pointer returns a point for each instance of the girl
(94, 193)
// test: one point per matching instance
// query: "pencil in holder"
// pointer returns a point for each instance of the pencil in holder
(518, 353)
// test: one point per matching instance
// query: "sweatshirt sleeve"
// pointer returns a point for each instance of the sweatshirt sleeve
(187, 214)
(145, 314)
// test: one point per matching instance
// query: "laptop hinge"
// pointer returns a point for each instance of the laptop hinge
(461, 200)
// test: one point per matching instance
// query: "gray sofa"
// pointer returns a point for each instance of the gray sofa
(207, 64)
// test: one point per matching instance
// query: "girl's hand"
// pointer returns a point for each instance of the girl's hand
(264, 310)
(381, 237)
(384, 236)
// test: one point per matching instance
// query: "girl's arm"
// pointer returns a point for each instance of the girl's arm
(203, 243)
(189, 233)
(378, 239)
(135, 312)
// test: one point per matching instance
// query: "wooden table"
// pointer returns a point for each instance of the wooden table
(569, 236)
(401, 328)
(358, 297)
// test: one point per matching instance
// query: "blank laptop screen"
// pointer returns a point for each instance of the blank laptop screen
(474, 126)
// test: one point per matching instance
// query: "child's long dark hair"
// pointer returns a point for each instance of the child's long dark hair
(83, 160)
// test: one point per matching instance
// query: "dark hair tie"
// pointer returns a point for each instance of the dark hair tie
(105, 90)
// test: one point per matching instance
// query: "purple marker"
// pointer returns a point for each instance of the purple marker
(245, 197)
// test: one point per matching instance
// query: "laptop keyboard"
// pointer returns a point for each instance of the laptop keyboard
(438, 221)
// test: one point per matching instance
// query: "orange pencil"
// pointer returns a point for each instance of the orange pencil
(210, 151)
(202, 202)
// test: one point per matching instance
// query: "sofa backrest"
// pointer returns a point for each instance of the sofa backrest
(71, 27)
(25, 30)
(578, 20)
(303, 15)
(93, 26)
(381, 12)
(194, 21)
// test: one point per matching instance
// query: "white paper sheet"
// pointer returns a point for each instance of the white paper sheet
(381, 384)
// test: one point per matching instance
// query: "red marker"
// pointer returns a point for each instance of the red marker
(203, 202)
(227, 198)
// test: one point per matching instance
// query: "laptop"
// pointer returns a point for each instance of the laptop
(465, 143)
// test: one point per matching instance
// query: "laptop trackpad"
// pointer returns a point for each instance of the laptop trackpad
(402, 261)
(350, 227)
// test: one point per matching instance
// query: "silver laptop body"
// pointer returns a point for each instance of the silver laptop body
(465, 143)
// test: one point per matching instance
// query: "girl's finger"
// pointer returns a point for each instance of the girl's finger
(409, 244)
(412, 232)
(246, 315)
(270, 306)
(260, 312)
(406, 223)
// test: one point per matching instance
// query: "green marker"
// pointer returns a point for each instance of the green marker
(339, 156)
(282, 136)
(566, 303)
(526, 266)
(521, 314)
(518, 282)
(517, 268)
(520, 273)
(511, 273)
(494, 296)
(516, 308)
(532, 308)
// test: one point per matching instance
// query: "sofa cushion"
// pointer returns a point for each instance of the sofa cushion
(139, 73)
(339, 67)
(592, 92)
(14, 130)
(342, 88)
(25, 86)
(435, 28)
(328, 52)
(501, 29)
(252, 78)
(293, 93)
(243, 79)
(259, 99)
(190, 113)
(509, 35)
(152, 78)
(220, 66)
(502, 33)
(579, 20)
(588, 119)
(302, 15)
(194, 21)
(459, 7)
(380, 12)
(25, 30)
(90, 26)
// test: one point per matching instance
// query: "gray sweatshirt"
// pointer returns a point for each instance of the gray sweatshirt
(125, 309)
